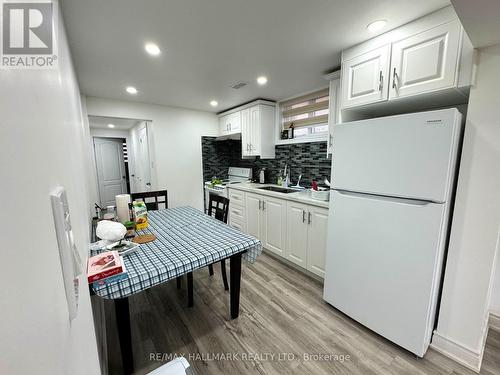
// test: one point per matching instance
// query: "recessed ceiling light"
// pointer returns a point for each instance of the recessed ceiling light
(376, 25)
(131, 90)
(111, 126)
(152, 49)
(262, 80)
(214, 103)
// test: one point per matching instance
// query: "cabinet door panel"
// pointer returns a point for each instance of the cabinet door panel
(255, 131)
(316, 240)
(223, 128)
(234, 123)
(296, 244)
(253, 215)
(246, 133)
(274, 225)
(426, 62)
(365, 78)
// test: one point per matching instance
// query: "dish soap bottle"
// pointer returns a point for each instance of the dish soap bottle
(280, 179)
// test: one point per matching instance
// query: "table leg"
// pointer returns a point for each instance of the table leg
(122, 313)
(190, 289)
(234, 284)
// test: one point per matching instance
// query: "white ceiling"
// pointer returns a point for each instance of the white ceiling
(481, 20)
(101, 122)
(209, 45)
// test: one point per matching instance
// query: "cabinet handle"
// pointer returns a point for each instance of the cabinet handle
(259, 204)
(331, 139)
(309, 218)
(380, 81)
(229, 126)
(394, 78)
(303, 216)
(248, 146)
(263, 205)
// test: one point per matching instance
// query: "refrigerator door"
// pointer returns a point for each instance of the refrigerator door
(411, 156)
(383, 264)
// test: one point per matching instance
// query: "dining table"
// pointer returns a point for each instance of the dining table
(186, 239)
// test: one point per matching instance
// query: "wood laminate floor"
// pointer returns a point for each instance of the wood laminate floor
(283, 323)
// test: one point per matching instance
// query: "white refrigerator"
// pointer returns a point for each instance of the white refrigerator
(392, 188)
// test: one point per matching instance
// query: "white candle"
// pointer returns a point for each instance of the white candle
(122, 211)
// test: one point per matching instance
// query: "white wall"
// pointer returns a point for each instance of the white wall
(476, 222)
(176, 149)
(42, 145)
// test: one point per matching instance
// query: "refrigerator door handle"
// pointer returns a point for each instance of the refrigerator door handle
(413, 202)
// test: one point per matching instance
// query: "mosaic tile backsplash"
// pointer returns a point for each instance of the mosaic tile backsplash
(308, 159)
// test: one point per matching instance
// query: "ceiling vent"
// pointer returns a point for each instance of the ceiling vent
(239, 85)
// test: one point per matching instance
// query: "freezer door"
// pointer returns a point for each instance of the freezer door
(411, 156)
(383, 264)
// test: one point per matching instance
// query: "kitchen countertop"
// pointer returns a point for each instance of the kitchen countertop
(303, 196)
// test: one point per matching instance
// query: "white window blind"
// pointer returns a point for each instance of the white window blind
(305, 113)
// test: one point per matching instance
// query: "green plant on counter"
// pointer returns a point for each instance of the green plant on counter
(216, 181)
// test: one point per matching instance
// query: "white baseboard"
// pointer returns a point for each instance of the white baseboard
(494, 322)
(456, 351)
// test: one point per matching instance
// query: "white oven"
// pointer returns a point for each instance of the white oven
(235, 175)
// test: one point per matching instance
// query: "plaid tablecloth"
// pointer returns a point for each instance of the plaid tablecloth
(187, 239)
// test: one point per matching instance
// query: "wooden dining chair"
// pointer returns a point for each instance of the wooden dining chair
(218, 207)
(153, 199)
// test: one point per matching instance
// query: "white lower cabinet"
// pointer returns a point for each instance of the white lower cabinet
(274, 225)
(317, 219)
(306, 236)
(295, 231)
(296, 241)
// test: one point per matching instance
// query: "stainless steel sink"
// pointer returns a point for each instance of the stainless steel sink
(278, 189)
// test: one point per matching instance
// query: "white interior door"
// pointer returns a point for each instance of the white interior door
(365, 78)
(142, 173)
(426, 62)
(409, 156)
(383, 264)
(110, 166)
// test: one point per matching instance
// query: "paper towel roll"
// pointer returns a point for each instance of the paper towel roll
(122, 211)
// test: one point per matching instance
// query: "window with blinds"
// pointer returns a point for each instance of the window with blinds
(308, 114)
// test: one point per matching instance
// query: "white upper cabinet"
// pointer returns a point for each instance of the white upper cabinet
(256, 123)
(431, 58)
(426, 62)
(365, 78)
(230, 124)
(246, 133)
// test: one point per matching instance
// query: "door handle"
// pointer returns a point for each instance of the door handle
(148, 184)
(303, 216)
(380, 81)
(309, 218)
(394, 77)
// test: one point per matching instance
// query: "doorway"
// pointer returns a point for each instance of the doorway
(112, 170)
(122, 157)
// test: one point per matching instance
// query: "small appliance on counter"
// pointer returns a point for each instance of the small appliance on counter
(262, 176)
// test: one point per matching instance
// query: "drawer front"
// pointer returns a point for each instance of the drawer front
(237, 212)
(236, 198)
(237, 224)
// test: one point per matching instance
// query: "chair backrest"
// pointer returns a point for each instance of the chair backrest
(218, 207)
(152, 199)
